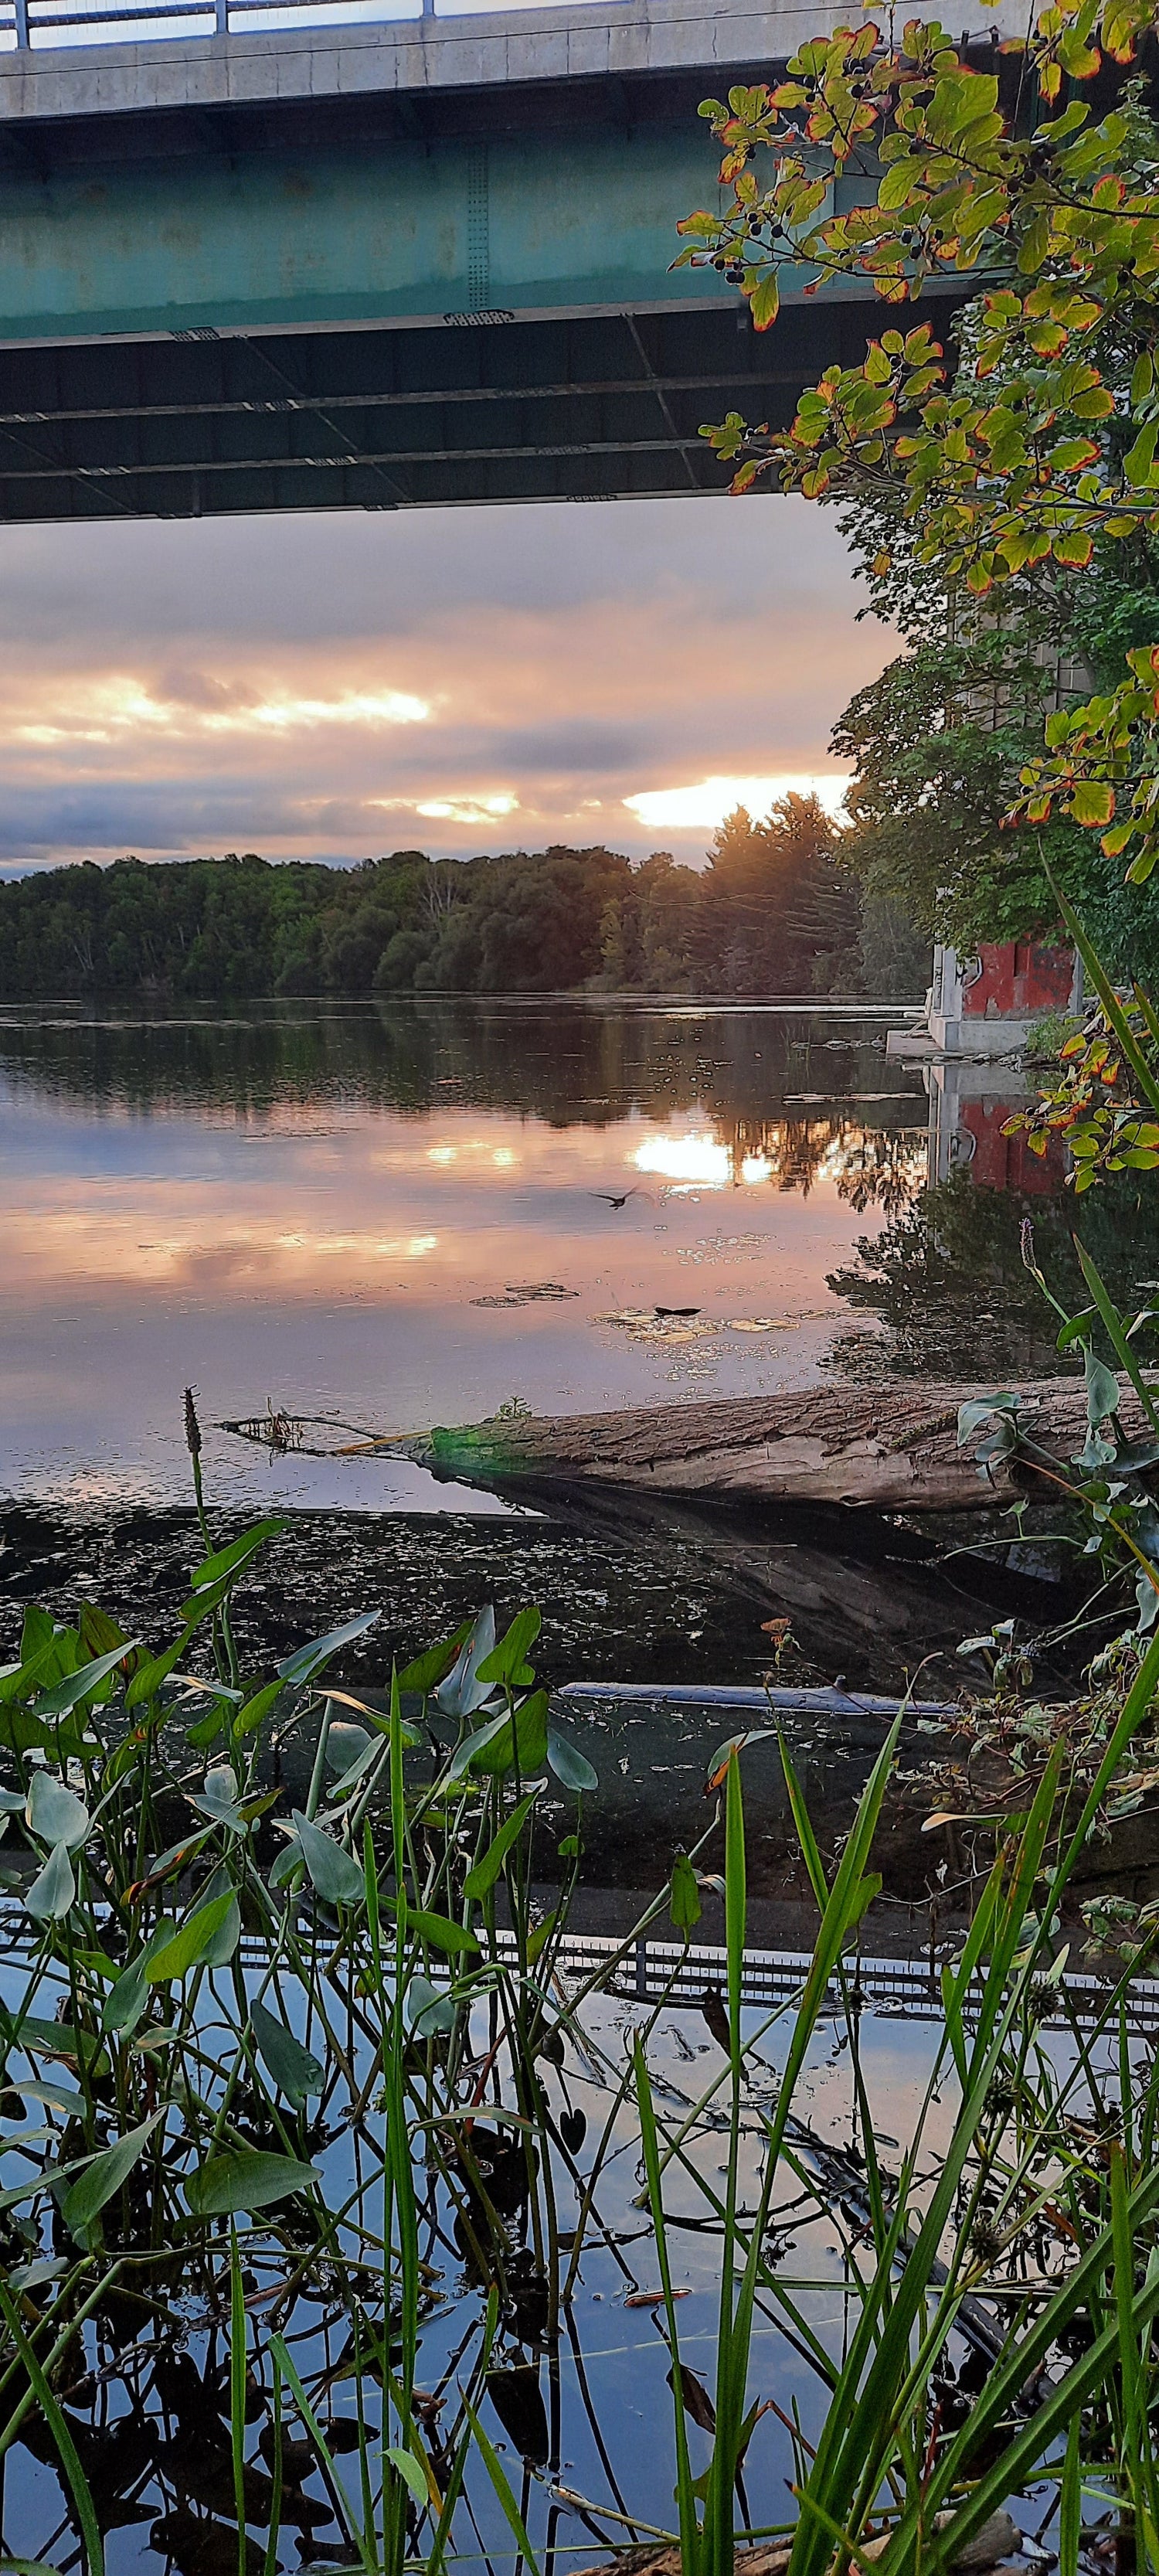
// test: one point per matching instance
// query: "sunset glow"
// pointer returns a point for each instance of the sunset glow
(704, 807)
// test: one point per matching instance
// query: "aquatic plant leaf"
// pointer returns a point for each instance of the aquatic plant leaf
(226, 1560)
(224, 1941)
(337, 1877)
(440, 1932)
(287, 1862)
(295, 2071)
(190, 1946)
(250, 1716)
(507, 1660)
(537, 1941)
(306, 1661)
(409, 2471)
(518, 2402)
(66, 2449)
(1103, 1394)
(468, 1752)
(350, 1750)
(83, 1684)
(244, 2178)
(205, 1730)
(427, 1671)
(54, 1814)
(569, 1764)
(573, 2129)
(527, 1738)
(49, 2038)
(126, 2001)
(221, 1800)
(426, 2010)
(684, 1904)
(463, 1692)
(147, 1679)
(86, 2198)
(486, 1870)
(54, 1890)
(345, 1744)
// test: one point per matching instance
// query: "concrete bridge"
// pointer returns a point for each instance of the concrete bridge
(375, 266)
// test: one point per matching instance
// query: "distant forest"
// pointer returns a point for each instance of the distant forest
(774, 911)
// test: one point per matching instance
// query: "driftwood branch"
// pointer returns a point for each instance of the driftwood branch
(894, 1448)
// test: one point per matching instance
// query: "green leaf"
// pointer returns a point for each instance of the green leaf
(441, 1933)
(301, 1667)
(462, 1692)
(54, 1814)
(244, 2178)
(87, 2197)
(506, 1661)
(1139, 461)
(338, 1878)
(1091, 803)
(54, 1890)
(250, 1717)
(190, 1946)
(226, 1560)
(83, 1684)
(537, 1941)
(409, 2471)
(49, 2038)
(569, 1764)
(206, 1730)
(486, 1870)
(346, 1744)
(684, 1904)
(468, 1752)
(147, 1679)
(219, 1799)
(58, 2427)
(494, 1749)
(295, 2071)
(428, 1670)
(1103, 1397)
(426, 2010)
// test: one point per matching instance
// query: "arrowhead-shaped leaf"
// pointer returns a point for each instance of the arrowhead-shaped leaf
(244, 2178)
(54, 1815)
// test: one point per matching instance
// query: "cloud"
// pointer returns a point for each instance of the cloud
(333, 686)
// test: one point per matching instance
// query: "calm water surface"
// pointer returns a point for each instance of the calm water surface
(304, 1203)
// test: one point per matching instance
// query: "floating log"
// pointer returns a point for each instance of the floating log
(891, 1447)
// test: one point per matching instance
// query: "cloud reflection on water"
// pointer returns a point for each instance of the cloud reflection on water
(304, 1207)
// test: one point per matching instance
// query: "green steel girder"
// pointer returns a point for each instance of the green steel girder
(203, 315)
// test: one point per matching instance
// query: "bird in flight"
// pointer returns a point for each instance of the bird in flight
(611, 1197)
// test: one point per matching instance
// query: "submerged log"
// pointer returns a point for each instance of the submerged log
(894, 1448)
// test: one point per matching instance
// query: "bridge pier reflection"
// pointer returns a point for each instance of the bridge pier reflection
(970, 1102)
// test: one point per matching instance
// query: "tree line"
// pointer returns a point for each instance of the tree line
(777, 909)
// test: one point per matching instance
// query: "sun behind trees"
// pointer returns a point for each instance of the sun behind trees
(776, 910)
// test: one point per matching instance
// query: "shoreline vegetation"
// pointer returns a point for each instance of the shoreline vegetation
(332, 2134)
(776, 907)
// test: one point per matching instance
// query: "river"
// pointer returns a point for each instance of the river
(328, 1206)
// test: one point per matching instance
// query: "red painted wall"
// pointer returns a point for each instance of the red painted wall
(1001, 1162)
(1017, 979)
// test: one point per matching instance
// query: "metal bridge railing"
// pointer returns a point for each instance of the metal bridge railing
(27, 21)
(905, 1989)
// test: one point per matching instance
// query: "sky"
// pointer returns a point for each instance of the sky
(336, 686)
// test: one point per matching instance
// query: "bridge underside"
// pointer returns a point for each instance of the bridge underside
(591, 408)
(381, 267)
